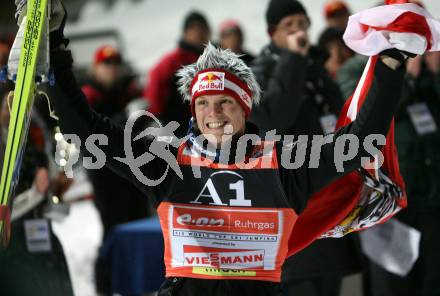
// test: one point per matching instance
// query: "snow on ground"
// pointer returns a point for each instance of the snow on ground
(80, 234)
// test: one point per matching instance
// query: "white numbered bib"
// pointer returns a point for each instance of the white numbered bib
(37, 235)
(328, 123)
(422, 119)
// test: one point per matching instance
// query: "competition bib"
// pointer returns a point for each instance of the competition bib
(210, 241)
(37, 235)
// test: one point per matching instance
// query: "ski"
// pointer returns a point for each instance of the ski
(25, 89)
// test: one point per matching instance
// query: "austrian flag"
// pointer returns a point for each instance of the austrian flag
(371, 195)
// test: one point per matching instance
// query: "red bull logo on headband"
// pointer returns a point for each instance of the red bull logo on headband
(211, 81)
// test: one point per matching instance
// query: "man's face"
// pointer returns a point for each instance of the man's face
(197, 34)
(107, 73)
(219, 117)
(288, 25)
(231, 40)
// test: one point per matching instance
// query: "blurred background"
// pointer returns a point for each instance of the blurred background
(144, 31)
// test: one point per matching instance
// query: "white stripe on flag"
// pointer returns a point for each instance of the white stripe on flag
(353, 109)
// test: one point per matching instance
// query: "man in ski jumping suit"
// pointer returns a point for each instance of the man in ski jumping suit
(227, 229)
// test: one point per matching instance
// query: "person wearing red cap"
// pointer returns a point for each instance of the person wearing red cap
(231, 37)
(110, 87)
(41, 258)
(336, 14)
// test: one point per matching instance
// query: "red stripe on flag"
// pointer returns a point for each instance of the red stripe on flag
(410, 22)
(396, 1)
(5, 217)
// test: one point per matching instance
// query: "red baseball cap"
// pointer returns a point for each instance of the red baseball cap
(107, 53)
(335, 7)
(228, 26)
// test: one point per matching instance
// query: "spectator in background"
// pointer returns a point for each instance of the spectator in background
(336, 14)
(31, 264)
(300, 98)
(4, 53)
(110, 86)
(348, 74)
(231, 37)
(418, 155)
(332, 43)
(109, 89)
(417, 138)
(161, 90)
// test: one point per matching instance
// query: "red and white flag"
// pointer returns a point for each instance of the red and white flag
(365, 198)
(406, 26)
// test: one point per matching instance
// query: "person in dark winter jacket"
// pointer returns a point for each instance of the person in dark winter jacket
(293, 78)
(187, 272)
(110, 85)
(108, 91)
(160, 90)
(33, 263)
(227, 219)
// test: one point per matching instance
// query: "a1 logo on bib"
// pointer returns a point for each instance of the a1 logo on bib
(210, 194)
(211, 81)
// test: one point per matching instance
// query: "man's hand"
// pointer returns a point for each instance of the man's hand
(57, 20)
(394, 58)
(298, 42)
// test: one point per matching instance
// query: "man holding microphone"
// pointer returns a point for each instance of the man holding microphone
(300, 98)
